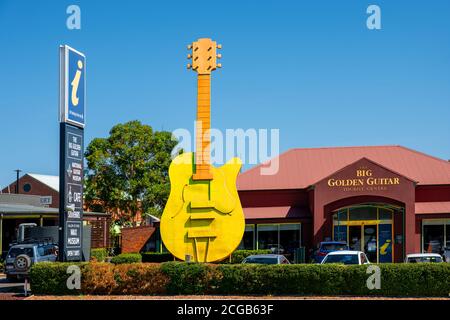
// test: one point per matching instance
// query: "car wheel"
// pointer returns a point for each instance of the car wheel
(22, 262)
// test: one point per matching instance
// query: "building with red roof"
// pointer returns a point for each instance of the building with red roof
(387, 201)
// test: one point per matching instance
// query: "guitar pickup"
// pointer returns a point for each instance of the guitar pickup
(202, 216)
(202, 204)
(201, 233)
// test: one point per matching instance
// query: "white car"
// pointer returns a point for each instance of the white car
(346, 257)
(423, 257)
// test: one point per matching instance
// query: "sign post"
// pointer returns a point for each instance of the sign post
(72, 122)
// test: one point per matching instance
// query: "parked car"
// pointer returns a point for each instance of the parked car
(326, 247)
(346, 257)
(22, 256)
(266, 259)
(423, 257)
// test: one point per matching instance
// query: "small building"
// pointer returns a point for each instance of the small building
(38, 202)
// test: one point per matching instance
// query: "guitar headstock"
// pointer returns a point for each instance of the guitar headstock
(204, 56)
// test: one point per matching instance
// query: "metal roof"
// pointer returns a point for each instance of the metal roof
(301, 168)
(8, 208)
(432, 207)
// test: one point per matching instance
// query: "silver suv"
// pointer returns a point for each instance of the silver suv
(22, 256)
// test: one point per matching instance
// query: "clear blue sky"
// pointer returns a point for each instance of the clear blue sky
(310, 68)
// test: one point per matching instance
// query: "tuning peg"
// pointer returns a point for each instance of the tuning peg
(219, 46)
(189, 46)
(219, 56)
(189, 56)
(219, 65)
(189, 66)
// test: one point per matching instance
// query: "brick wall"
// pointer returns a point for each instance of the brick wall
(133, 239)
(37, 189)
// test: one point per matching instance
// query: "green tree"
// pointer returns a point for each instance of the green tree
(128, 171)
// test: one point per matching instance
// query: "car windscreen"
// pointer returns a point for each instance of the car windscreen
(333, 246)
(342, 258)
(262, 260)
(14, 252)
(424, 259)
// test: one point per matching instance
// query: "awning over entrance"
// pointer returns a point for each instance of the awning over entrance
(432, 207)
(276, 212)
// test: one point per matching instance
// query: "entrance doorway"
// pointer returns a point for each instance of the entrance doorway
(364, 238)
(367, 228)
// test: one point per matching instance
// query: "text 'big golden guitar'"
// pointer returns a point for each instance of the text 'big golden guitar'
(203, 217)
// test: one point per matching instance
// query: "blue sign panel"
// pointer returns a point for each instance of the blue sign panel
(385, 242)
(73, 86)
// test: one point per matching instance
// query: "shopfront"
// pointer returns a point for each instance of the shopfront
(281, 238)
(435, 235)
(368, 228)
(387, 201)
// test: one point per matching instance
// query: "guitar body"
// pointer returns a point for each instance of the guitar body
(202, 218)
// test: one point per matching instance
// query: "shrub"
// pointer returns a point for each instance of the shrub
(194, 278)
(106, 278)
(99, 254)
(156, 257)
(127, 258)
(190, 278)
(51, 278)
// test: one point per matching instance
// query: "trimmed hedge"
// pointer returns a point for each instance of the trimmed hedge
(127, 258)
(192, 278)
(99, 255)
(156, 257)
(51, 278)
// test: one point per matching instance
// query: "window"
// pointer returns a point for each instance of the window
(26, 187)
(280, 238)
(14, 252)
(433, 238)
(363, 258)
(363, 213)
(248, 242)
(384, 214)
(268, 237)
(447, 235)
(41, 251)
(342, 258)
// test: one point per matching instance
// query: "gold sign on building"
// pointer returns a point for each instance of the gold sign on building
(363, 177)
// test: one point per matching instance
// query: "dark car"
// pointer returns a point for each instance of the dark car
(326, 247)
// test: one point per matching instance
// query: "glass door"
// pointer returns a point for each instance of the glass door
(354, 238)
(370, 242)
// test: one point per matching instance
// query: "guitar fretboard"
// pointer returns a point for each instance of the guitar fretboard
(203, 139)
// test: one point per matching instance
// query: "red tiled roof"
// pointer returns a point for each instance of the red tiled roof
(301, 168)
(432, 207)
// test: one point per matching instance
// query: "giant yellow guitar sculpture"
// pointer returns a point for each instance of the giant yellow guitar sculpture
(203, 217)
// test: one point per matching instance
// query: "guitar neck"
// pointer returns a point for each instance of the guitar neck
(203, 139)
